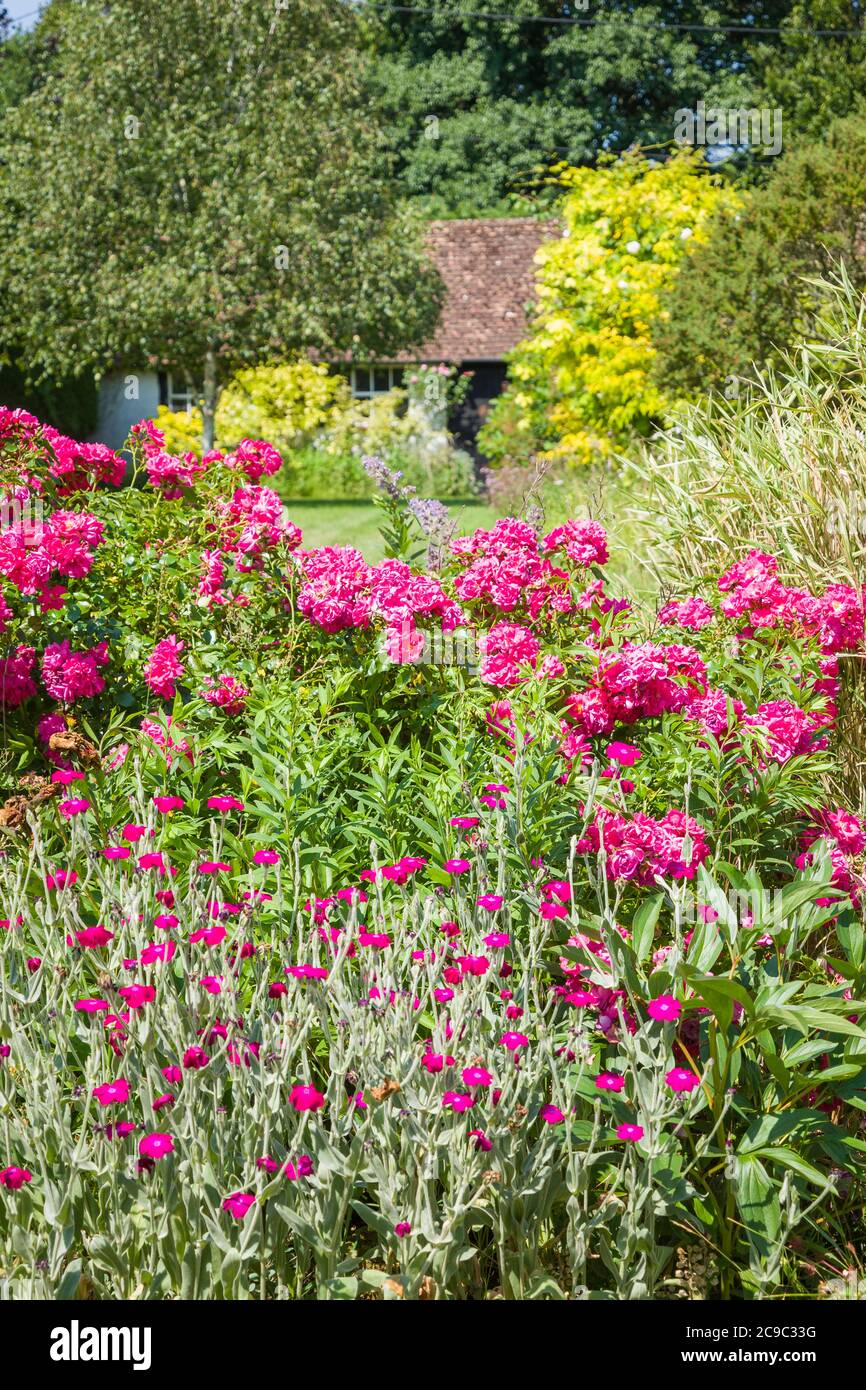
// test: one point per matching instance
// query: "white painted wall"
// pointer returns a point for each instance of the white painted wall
(124, 399)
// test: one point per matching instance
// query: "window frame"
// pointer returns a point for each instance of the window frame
(181, 401)
(371, 368)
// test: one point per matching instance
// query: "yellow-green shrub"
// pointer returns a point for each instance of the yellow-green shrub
(287, 404)
(580, 383)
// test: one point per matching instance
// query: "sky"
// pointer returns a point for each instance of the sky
(22, 8)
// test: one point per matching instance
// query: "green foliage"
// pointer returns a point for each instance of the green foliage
(69, 405)
(581, 384)
(181, 249)
(479, 105)
(816, 81)
(741, 296)
(287, 403)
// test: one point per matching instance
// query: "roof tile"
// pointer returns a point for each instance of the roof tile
(487, 265)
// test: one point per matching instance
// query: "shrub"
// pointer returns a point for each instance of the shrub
(746, 295)
(581, 383)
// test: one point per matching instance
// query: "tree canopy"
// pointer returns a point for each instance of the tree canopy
(746, 294)
(817, 81)
(478, 102)
(209, 192)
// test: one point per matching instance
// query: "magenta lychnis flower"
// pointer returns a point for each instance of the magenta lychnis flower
(238, 1204)
(631, 1132)
(93, 937)
(112, 1092)
(551, 1115)
(306, 1098)
(15, 1178)
(156, 1145)
(457, 1101)
(664, 1007)
(681, 1079)
(476, 1076)
(609, 1081)
(224, 803)
(195, 1058)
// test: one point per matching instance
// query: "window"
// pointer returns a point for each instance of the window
(181, 395)
(374, 381)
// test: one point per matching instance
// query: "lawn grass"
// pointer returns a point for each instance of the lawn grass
(609, 497)
(356, 522)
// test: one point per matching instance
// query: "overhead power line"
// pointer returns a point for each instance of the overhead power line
(590, 22)
(610, 21)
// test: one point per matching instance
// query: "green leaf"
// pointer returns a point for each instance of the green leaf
(644, 925)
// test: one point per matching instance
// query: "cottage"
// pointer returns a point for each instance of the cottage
(487, 267)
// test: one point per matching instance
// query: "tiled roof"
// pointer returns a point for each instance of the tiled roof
(487, 268)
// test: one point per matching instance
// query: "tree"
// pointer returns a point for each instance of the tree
(817, 80)
(580, 383)
(745, 295)
(208, 194)
(477, 101)
(69, 405)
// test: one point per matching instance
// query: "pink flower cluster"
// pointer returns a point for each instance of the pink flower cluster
(584, 542)
(226, 693)
(693, 613)
(35, 557)
(164, 668)
(74, 467)
(82, 467)
(754, 592)
(789, 730)
(340, 590)
(167, 472)
(846, 838)
(507, 567)
(255, 459)
(508, 650)
(637, 681)
(16, 678)
(639, 848)
(69, 676)
(252, 522)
